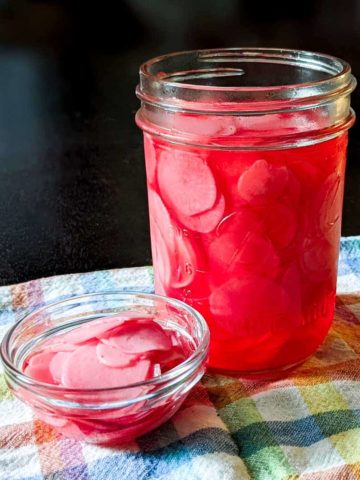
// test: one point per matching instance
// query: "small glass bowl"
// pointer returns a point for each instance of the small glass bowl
(105, 415)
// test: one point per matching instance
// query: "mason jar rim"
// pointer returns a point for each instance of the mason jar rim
(162, 85)
(166, 381)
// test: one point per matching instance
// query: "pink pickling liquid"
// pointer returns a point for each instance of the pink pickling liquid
(106, 353)
(248, 238)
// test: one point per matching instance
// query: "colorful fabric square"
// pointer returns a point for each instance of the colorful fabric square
(306, 426)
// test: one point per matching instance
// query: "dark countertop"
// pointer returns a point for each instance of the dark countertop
(72, 181)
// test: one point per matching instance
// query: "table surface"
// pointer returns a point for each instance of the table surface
(72, 180)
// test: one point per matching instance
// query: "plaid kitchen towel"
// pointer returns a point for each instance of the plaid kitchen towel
(306, 426)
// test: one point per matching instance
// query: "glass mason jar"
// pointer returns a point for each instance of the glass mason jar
(245, 157)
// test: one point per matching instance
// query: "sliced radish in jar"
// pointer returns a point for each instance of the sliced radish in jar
(150, 158)
(184, 262)
(162, 241)
(234, 256)
(250, 307)
(262, 182)
(203, 126)
(231, 233)
(328, 203)
(257, 254)
(186, 182)
(281, 224)
(207, 221)
(291, 283)
(308, 174)
(160, 287)
(292, 193)
(319, 259)
(221, 253)
(161, 259)
(161, 217)
(241, 222)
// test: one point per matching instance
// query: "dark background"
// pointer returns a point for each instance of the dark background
(72, 181)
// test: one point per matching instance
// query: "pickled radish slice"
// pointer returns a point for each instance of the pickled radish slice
(250, 306)
(59, 347)
(183, 272)
(292, 193)
(221, 253)
(257, 254)
(140, 338)
(40, 359)
(328, 203)
(291, 283)
(264, 124)
(161, 217)
(241, 222)
(82, 369)
(150, 159)
(161, 258)
(233, 255)
(319, 259)
(207, 221)
(231, 232)
(160, 287)
(163, 240)
(93, 329)
(308, 174)
(170, 358)
(39, 372)
(197, 289)
(281, 224)
(203, 126)
(56, 365)
(262, 182)
(112, 357)
(186, 182)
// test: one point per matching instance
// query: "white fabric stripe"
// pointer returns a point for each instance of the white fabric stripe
(14, 412)
(281, 404)
(212, 466)
(92, 453)
(3, 330)
(350, 390)
(53, 288)
(347, 283)
(318, 456)
(19, 463)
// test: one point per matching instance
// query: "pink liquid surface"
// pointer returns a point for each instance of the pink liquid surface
(250, 239)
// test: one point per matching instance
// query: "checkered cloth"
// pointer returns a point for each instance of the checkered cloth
(306, 426)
